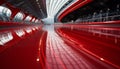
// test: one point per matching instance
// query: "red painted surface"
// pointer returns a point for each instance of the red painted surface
(61, 55)
(2, 2)
(90, 39)
(105, 22)
(26, 14)
(22, 51)
(10, 24)
(22, 55)
(13, 31)
(72, 47)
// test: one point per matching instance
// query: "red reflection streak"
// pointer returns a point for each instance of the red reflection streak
(41, 50)
(66, 55)
(51, 44)
(23, 53)
(60, 60)
(104, 60)
(63, 34)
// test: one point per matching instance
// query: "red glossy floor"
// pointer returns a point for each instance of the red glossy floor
(50, 47)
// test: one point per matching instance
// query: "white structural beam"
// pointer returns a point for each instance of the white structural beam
(53, 6)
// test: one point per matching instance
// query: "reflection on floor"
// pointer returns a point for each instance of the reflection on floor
(33, 52)
(59, 55)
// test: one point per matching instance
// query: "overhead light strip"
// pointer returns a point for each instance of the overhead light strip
(61, 5)
(74, 1)
(53, 6)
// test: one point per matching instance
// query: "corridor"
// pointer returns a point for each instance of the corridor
(60, 55)
(60, 34)
(45, 48)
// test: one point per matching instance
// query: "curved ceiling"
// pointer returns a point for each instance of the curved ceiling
(76, 5)
(48, 8)
(36, 8)
(62, 9)
(53, 7)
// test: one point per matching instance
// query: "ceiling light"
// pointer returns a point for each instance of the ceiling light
(37, 0)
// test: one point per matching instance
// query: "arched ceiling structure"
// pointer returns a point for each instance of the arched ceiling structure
(67, 6)
(62, 10)
(71, 8)
(48, 8)
(36, 8)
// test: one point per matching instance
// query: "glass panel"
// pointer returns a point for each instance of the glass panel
(5, 13)
(19, 16)
(33, 20)
(28, 18)
(36, 20)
